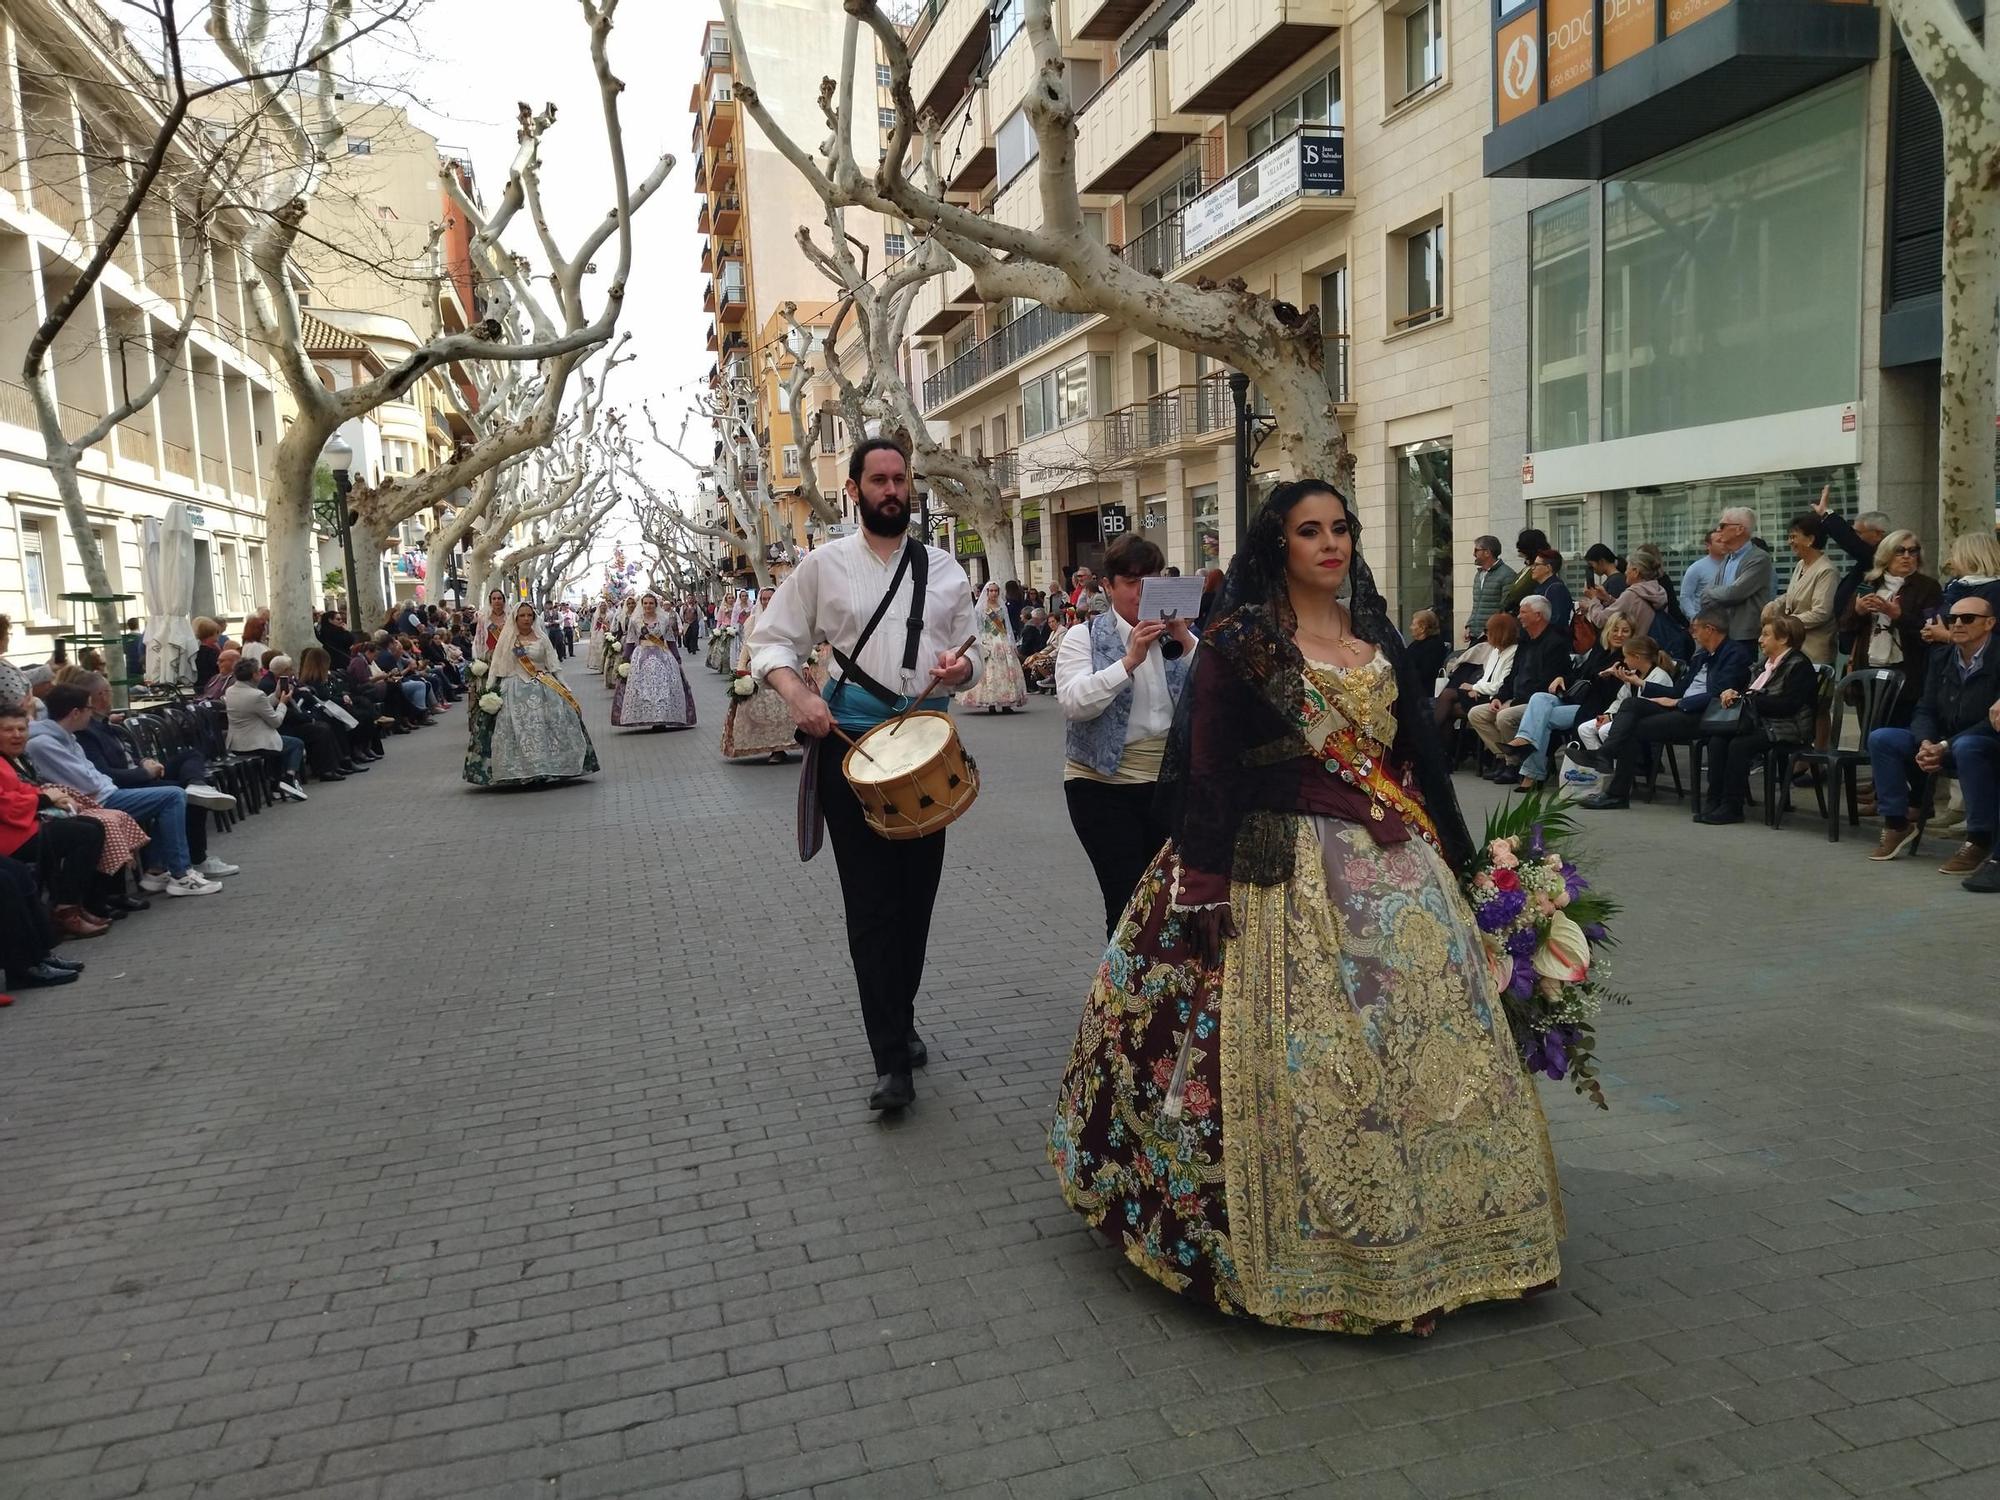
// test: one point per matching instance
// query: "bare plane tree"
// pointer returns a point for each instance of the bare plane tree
(1059, 265)
(540, 318)
(1962, 71)
(743, 500)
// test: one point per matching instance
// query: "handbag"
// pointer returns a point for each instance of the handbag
(338, 714)
(1722, 718)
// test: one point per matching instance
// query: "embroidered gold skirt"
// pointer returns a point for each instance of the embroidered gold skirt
(1335, 1132)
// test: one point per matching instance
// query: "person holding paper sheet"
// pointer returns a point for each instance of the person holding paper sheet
(1117, 693)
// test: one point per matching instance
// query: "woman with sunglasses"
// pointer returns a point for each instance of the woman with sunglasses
(1887, 617)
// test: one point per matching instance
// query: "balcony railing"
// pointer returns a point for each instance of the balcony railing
(1007, 471)
(926, 19)
(1335, 353)
(1235, 200)
(1013, 341)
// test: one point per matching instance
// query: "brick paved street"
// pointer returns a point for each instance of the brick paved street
(512, 1145)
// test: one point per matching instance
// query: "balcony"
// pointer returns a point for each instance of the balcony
(728, 213)
(734, 302)
(1105, 20)
(722, 166)
(1277, 195)
(701, 220)
(1006, 469)
(1126, 132)
(720, 58)
(708, 296)
(1007, 345)
(971, 161)
(932, 313)
(733, 342)
(1225, 50)
(711, 337)
(1171, 422)
(707, 257)
(701, 172)
(721, 111)
(946, 49)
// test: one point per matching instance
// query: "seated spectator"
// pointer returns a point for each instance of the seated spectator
(120, 840)
(1640, 598)
(1607, 571)
(1888, 624)
(1780, 707)
(1477, 681)
(37, 828)
(403, 675)
(1953, 732)
(254, 720)
(207, 648)
(1587, 692)
(56, 754)
(254, 645)
(431, 647)
(1428, 647)
(225, 673)
(1971, 566)
(325, 745)
(1809, 597)
(14, 686)
(334, 635)
(112, 750)
(325, 692)
(1545, 574)
(1644, 665)
(1672, 715)
(1542, 664)
(27, 945)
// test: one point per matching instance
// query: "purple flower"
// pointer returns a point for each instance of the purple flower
(1522, 984)
(1536, 845)
(1595, 931)
(1500, 910)
(1522, 944)
(1549, 1052)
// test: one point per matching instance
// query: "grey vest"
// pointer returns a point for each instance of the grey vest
(1100, 742)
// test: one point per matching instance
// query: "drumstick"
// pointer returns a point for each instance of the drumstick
(937, 677)
(853, 744)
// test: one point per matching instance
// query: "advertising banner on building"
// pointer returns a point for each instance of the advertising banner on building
(1628, 27)
(1568, 56)
(1280, 173)
(1520, 84)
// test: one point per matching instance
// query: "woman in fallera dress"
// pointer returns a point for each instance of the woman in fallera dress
(486, 629)
(1002, 687)
(526, 728)
(1294, 1093)
(614, 640)
(759, 724)
(652, 690)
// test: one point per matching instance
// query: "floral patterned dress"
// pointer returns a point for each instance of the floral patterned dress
(654, 691)
(536, 735)
(1331, 1130)
(1001, 684)
(759, 724)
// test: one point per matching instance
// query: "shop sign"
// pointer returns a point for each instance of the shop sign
(1520, 68)
(1113, 521)
(1568, 59)
(1628, 29)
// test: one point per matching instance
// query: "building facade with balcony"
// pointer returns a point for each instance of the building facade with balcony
(1326, 153)
(71, 102)
(1717, 263)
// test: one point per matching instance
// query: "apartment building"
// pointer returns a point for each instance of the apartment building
(75, 104)
(752, 202)
(1716, 262)
(1325, 152)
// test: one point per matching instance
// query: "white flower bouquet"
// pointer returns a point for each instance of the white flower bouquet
(489, 703)
(624, 669)
(742, 685)
(479, 669)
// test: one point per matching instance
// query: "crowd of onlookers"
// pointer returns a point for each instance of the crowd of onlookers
(1878, 670)
(103, 809)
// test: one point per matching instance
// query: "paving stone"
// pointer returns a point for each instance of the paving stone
(586, 1203)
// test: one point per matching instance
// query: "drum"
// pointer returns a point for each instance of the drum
(919, 779)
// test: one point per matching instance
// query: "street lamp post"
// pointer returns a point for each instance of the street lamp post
(1251, 430)
(339, 456)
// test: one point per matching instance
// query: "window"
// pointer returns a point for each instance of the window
(1333, 330)
(1063, 395)
(1422, 33)
(885, 76)
(225, 578)
(360, 145)
(790, 460)
(107, 548)
(895, 246)
(1205, 527)
(1007, 18)
(886, 118)
(257, 592)
(1423, 531)
(1676, 517)
(1558, 324)
(41, 577)
(1014, 146)
(1318, 103)
(1417, 257)
(1733, 272)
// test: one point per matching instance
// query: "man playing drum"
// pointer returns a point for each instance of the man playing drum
(895, 611)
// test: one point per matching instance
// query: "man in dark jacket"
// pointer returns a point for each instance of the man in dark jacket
(1952, 731)
(1672, 716)
(1858, 539)
(336, 637)
(113, 751)
(1541, 665)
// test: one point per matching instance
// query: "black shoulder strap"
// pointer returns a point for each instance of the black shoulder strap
(917, 556)
(850, 668)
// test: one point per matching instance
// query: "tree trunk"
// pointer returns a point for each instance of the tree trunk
(1966, 393)
(365, 593)
(288, 533)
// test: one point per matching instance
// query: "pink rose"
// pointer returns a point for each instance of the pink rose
(1501, 852)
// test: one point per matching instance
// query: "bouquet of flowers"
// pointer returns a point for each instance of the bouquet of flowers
(624, 669)
(1540, 922)
(479, 669)
(742, 684)
(489, 703)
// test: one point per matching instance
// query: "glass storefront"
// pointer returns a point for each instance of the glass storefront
(1205, 511)
(1559, 323)
(1423, 532)
(1677, 518)
(1732, 272)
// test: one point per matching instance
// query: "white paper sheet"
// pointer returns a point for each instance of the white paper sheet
(1162, 598)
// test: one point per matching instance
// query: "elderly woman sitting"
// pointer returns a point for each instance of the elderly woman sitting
(304, 720)
(1478, 677)
(254, 720)
(1780, 707)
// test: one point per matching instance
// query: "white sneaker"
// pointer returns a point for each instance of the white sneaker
(214, 868)
(201, 794)
(191, 884)
(154, 881)
(293, 790)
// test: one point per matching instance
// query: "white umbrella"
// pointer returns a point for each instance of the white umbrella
(169, 574)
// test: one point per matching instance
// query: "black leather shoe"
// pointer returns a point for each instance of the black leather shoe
(920, 1055)
(1605, 802)
(41, 976)
(893, 1092)
(69, 965)
(1985, 878)
(121, 904)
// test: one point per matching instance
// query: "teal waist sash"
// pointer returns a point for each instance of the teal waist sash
(857, 710)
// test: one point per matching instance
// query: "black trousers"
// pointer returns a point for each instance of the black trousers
(888, 887)
(25, 935)
(1120, 832)
(1638, 727)
(67, 849)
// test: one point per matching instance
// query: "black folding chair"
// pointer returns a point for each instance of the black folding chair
(1876, 692)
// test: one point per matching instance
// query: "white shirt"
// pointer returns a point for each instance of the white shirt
(832, 593)
(1085, 694)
